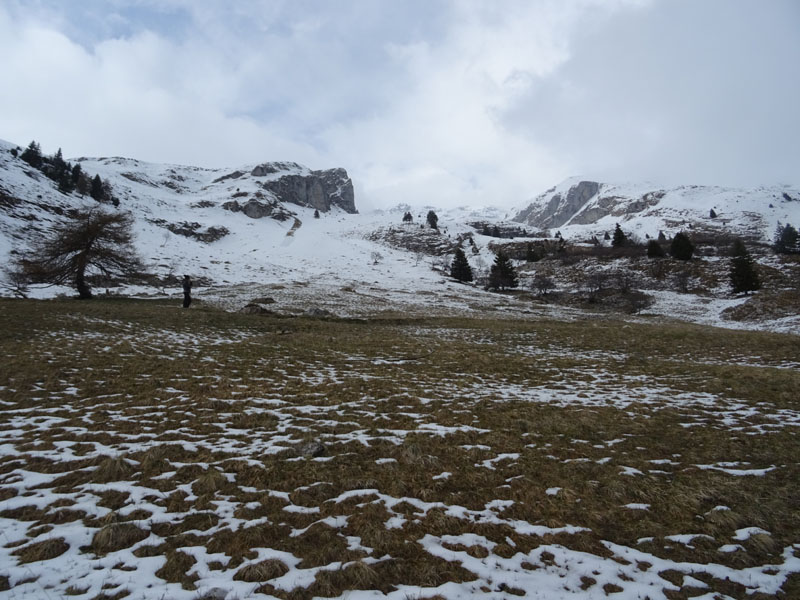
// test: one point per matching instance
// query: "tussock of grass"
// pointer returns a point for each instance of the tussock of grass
(112, 469)
(117, 536)
(176, 568)
(45, 550)
(262, 571)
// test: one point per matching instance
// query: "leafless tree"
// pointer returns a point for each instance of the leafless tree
(91, 241)
(15, 281)
(543, 283)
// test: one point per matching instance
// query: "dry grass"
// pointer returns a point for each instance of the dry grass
(203, 411)
(262, 571)
(45, 550)
(117, 536)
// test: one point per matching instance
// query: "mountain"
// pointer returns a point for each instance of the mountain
(200, 205)
(251, 232)
(288, 239)
(586, 208)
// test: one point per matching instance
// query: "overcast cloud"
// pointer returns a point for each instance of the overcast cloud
(423, 101)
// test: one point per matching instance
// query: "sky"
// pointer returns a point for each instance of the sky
(440, 102)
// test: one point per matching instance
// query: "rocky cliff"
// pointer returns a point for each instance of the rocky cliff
(316, 189)
(550, 211)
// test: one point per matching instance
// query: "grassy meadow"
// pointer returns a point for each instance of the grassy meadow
(152, 452)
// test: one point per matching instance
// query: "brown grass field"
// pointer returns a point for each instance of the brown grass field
(152, 452)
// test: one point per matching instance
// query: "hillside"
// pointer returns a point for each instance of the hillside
(251, 234)
(586, 208)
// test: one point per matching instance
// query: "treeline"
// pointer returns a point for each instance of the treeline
(70, 178)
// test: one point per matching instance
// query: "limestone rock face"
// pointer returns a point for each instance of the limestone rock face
(560, 208)
(316, 189)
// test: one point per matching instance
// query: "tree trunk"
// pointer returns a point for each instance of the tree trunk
(84, 291)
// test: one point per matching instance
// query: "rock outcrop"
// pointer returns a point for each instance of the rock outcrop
(257, 209)
(560, 207)
(316, 189)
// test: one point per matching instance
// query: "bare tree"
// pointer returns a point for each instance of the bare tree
(92, 241)
(543, 283)
(15, 281)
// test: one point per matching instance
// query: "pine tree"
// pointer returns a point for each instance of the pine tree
(786, 239)
(460, 269)
(744, 276)
(433, 220)
(681, 247)
(97, 191)
(316, 213)
(33, 155)
(712, 214)
(76, 174)
(619, 239)
(654, 250)
(502, 274)
(408, 217)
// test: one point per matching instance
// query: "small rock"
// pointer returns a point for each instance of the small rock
(313, 449)
(216, 593)
(253, 309)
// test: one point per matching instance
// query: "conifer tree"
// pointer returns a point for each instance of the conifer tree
(460, 269)
(33, 155)
(97, 192)
(681, 247)
(786, 239)
(744, 276)
(619, 239)
(433, 220)
(502, 274)
(76, 174)
(90, 241)
(654, 250)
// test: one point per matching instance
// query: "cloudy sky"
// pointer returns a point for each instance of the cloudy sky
(446, 102)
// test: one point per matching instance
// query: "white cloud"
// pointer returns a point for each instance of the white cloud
(437, 102)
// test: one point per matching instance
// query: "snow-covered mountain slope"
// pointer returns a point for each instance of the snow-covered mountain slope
(583, 208)
(184, 224)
